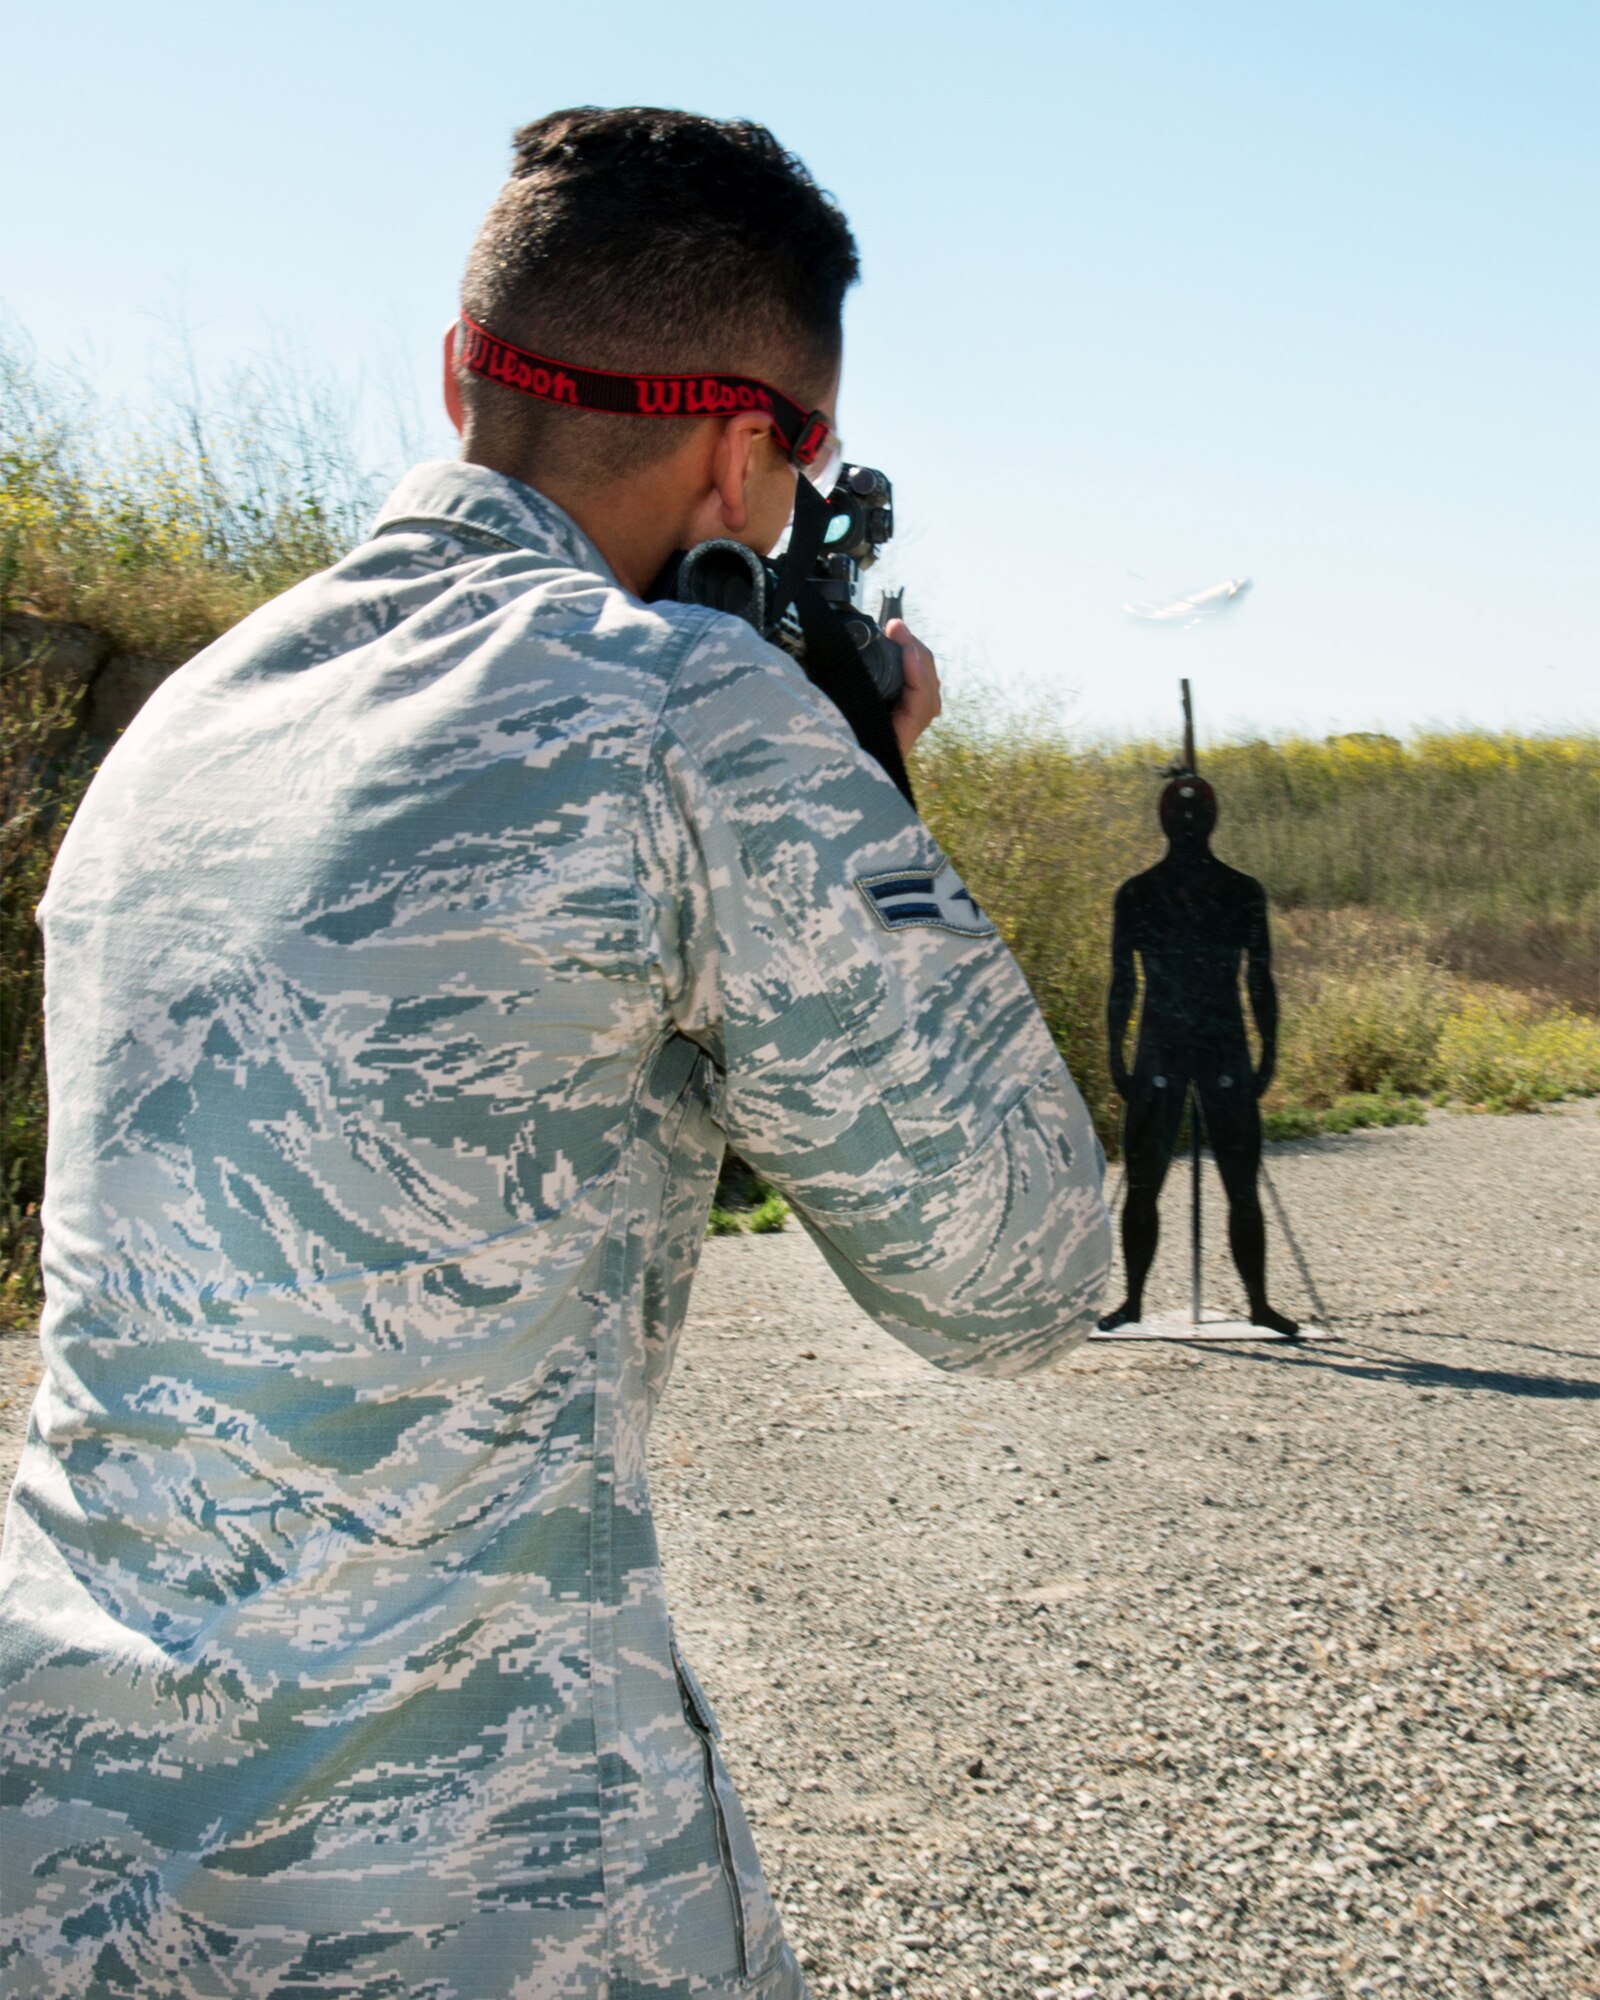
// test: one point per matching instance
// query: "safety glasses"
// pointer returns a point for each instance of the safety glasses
(825, 467)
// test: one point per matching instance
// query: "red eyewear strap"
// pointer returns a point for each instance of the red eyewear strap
(804, 432)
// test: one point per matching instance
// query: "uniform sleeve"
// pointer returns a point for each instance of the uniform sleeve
(882, 1060)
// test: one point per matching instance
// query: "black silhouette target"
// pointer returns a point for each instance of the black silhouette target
(1190, 925)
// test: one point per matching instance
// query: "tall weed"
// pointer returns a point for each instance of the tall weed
(164, 541)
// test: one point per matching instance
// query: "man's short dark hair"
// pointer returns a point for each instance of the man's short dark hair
(660, 241)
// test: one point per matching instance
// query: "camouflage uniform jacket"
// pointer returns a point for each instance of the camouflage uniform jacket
(408, 963)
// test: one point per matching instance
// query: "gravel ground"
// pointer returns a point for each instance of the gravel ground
(1222, 1670)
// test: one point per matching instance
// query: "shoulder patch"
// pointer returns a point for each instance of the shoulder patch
(937, 900)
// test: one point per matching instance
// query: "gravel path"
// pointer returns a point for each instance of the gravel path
(1183, 1671)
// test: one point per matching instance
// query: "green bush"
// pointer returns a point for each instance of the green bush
(1290, 1121)
(765, 1219)
(744, 1201)
(1361, 1111)
(770, 1217)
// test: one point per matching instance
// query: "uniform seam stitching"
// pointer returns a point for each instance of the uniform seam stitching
(454, 530)
(607, 1395)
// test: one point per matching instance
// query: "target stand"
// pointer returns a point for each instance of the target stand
(1176, 1326)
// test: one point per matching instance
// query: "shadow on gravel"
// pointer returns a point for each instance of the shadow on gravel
(1435, 1374)
(1521, 1346)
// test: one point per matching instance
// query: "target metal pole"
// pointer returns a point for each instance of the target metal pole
(1194, 1095)
(1194, 1213)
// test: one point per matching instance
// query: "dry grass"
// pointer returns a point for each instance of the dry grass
(1398, 873)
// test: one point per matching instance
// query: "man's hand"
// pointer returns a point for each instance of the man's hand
(1121, 1082)
(919, 699)
(1264, 1071)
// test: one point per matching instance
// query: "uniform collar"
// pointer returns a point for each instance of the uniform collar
(451, 493)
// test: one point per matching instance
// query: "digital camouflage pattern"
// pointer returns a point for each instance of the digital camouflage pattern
(408, 963)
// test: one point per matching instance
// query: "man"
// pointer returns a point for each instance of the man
(1191, 920)
(410, 962)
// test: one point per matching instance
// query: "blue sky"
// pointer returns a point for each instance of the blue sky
(1154, 295)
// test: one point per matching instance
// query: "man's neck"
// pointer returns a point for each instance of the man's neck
(624, 519)
(626, 530)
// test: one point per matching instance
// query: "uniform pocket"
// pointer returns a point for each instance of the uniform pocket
(758, 1931)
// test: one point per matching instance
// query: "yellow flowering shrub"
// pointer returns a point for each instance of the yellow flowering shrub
(1497, 1050)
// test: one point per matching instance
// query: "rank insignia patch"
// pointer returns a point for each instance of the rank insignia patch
(940, 900)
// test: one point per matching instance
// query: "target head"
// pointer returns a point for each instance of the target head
(1188, 808)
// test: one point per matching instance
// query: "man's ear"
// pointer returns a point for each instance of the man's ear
(734, 464)
(452, 381)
